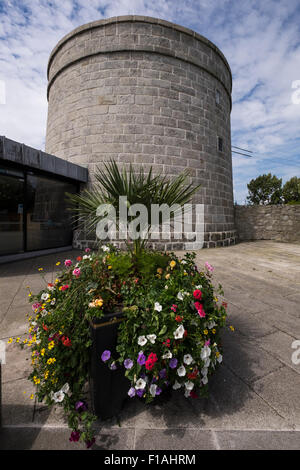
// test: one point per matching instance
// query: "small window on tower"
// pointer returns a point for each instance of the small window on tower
(217, 97)
(220, 144)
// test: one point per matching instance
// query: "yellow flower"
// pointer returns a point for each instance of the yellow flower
(185, 273)
(167, 276)
(31, 396)
(10, 341)
(51, 345)
(46, 374)
(30, 294)
(205, 332)
(17, 340)
(217, 354)
(231, 327)
(109, 267)
(159, 270)
(172, 264)
(213, 331)
(43, 352)
(58, 263)
(25, 341)
(36, 380)
(98, 302)
(56, 281)
(41, 269)
(216, 299)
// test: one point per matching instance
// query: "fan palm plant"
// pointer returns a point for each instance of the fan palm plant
(137, 187)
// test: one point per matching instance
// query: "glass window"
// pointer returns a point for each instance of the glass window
(48, 221)
(220, 144)
(11, 212)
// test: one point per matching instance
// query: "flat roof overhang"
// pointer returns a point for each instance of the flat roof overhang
(21, 154)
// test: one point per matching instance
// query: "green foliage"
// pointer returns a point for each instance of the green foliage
(138, 187)
(157, 293)
(265, 189)
(291, 191)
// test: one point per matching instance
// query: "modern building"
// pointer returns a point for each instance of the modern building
(33, 211)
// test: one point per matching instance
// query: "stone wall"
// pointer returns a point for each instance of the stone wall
(146, 91)
(280, 223)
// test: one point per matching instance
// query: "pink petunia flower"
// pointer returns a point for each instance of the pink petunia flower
(76, 272)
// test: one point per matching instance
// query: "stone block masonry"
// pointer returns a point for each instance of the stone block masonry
(279, 223)
(144, 91)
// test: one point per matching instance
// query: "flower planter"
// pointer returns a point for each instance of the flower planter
(108, 387)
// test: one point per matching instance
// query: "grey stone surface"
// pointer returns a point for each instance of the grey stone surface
(254, 396)
(144, 92)
(274, 222)
(258, 440)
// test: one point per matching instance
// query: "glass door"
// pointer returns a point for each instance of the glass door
(11, 212)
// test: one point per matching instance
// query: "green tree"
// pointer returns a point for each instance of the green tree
(291, 191)
(265, 189)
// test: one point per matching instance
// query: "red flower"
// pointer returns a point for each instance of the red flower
(136, 281)
(167, 343)
(200, 310)
(150, 363)
(224, 304)
(65, 287)
(197, 294)
(193, 394)
(79, 258)
(66, 341)
(185, 333)
(193, 375)
(174, 307)
(178, 318)
(45, 327)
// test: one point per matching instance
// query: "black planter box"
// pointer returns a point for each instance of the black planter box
(109, 388)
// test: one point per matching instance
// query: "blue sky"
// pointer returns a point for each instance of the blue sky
(260, 39)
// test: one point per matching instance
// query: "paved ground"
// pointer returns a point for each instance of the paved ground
(254, 401)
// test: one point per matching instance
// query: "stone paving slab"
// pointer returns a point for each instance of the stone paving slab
(254, 397)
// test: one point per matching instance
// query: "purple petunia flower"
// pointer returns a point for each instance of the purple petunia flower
(131, 392)
(90, 443)
(158, 391)
(80, 406)
(75, 436)
(140, 392)
(105, 355)
(163, 373)
(128, 363)
(141, 359)
(173, 363)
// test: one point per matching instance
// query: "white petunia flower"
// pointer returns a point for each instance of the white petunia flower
(204, 380)
(211, 324)
(176, 385)
(167, 355)
(183, 261)
(142, 340)
(204, 371)
(157, 307)
(58, 396)
(43, 313)
(180, 296)
(220, 358)
(53, 301)
(140, 384)
(166, 287)
(152, 389)
(181, 371)
(179, 332)
(187, 359)
(198, 287)
(205, 352)
(45, 296)
(187, 393)
(65, 388)
(189, 385)
(87, 257)
(105, 248)
(207, 362)
(151, 338)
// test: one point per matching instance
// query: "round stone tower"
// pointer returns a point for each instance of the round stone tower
(145, 91)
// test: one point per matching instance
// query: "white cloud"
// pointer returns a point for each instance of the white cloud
(259, 39)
